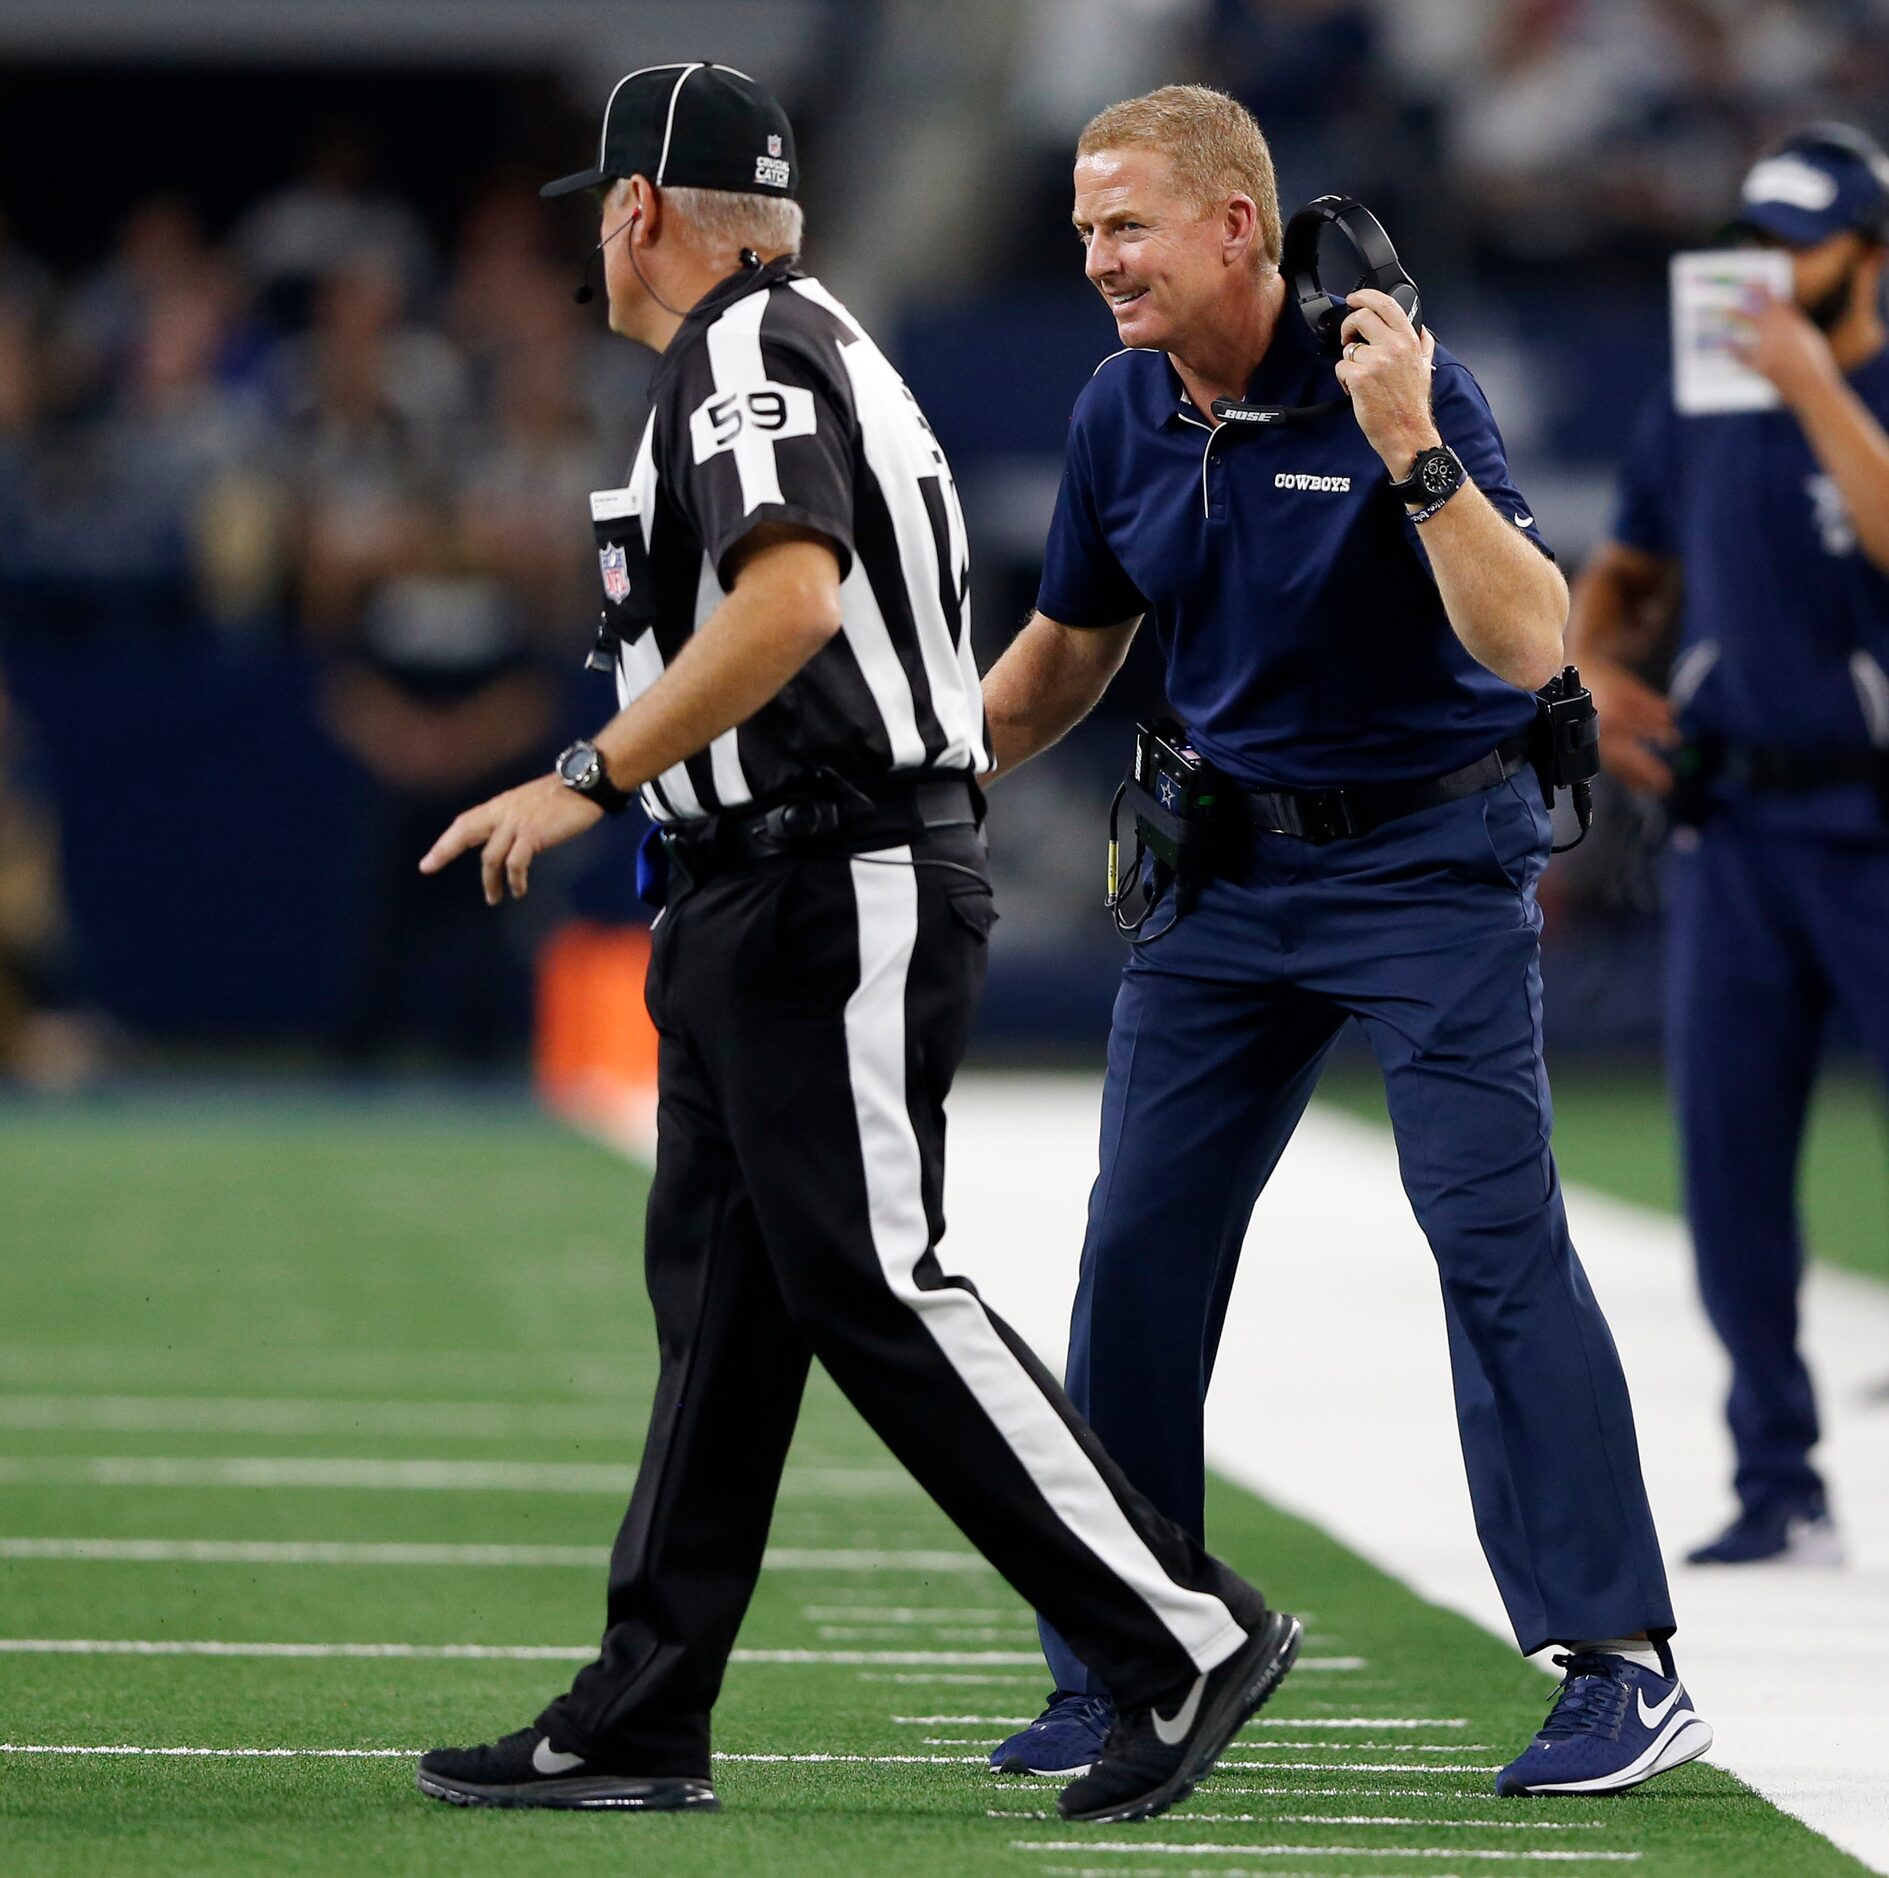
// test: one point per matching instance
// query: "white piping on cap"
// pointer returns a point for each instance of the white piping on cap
(603, 138)
(668, 129)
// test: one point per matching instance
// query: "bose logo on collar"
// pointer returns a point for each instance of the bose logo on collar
(1292, 479)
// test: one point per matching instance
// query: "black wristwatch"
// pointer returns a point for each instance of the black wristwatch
(1433, 478)
(581, 768)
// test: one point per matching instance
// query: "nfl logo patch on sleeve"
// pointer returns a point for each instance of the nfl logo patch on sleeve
(616, 572)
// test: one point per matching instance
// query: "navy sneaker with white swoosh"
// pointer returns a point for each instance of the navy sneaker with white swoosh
(1613, 1724)
(1156, 1756)
(526, 1770)
(1064, 1741)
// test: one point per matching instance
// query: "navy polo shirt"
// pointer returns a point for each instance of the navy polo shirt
(1305, 640)
(1784, 623)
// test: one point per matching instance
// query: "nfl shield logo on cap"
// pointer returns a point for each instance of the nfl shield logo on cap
(616, 574)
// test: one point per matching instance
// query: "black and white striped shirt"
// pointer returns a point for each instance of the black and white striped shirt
(772, 405)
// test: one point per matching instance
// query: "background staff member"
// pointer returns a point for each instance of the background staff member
(1348, 651)
(1779, 522)
(786, 569)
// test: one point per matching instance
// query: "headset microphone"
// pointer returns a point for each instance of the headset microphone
(586, 293)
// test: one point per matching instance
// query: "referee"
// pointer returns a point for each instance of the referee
(785, 577)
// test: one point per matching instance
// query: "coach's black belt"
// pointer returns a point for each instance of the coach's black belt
(845, 816)
(1321, 815)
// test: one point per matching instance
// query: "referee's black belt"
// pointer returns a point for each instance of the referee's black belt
(845, 816)
(1321, 815)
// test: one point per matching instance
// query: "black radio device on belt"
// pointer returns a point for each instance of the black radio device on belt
(1564, 746)
(1181, 809)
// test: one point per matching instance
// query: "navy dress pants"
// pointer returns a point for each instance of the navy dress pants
(1769, 930)
(1426, 931)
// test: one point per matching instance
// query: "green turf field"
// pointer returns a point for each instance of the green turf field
(231, 1334)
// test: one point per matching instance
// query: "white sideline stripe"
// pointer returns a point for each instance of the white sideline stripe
(1308, 1851)
(886, 901)
(350, 1552)
(474, 1652)
(156, 1470)
(1803, 1722)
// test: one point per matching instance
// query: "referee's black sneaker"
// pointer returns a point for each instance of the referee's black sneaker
(524, 1769)
(1155, 1756)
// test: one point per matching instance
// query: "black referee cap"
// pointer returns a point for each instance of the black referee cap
(692, 126)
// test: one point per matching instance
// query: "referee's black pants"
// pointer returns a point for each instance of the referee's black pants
(812, 1012)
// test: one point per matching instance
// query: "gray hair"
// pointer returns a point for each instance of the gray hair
(721, 218)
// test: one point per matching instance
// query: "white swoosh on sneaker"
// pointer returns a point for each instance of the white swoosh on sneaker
(547, 1760)
(1172, 1733)
(1652, 1717)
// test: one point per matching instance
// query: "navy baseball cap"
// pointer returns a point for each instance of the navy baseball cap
(692, 126)
(1816, 184)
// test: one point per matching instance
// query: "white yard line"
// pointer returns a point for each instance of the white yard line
(1259, 1721)
(225, 1754)
(1334, 1252)
(1346, 1819)
(448, 1652)
(1140, 1846)
(352, 1552)
(404, 1476)
(293, 1415)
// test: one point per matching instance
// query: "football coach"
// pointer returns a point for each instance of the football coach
(788, 617)
(1355, 609)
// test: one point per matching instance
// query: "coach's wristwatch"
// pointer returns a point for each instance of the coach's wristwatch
(581, 768)
(1435, 476)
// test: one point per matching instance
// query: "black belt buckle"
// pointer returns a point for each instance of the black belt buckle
(1325, 816)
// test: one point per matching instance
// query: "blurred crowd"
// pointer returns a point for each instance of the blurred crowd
(322, 433)
(333, 428)
(1512, 131)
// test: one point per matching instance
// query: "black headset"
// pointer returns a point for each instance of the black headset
(1298, 261)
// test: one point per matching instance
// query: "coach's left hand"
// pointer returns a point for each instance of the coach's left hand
(1385, 373)
(511, 830)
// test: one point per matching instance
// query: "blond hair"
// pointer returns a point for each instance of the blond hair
(1212, 140)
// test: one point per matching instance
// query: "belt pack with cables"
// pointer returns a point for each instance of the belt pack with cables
(1184, 814)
